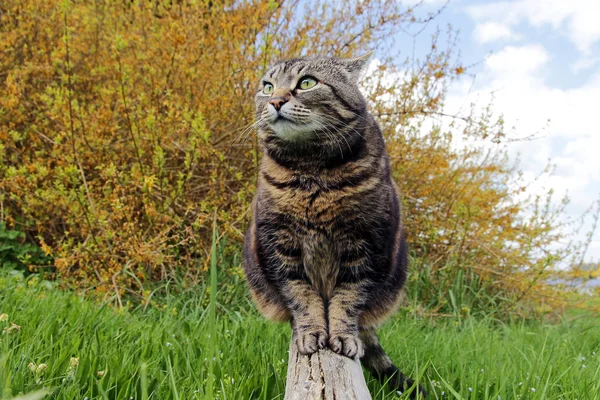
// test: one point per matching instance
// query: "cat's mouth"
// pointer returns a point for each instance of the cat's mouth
(281, 118)
(282, 121)
(290, 130)
(288, 126)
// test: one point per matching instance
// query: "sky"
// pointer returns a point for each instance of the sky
(540, 62)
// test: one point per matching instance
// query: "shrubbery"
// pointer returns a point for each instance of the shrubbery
(16, 254)
(125, 126)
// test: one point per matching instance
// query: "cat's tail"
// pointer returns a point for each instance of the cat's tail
(380, 366)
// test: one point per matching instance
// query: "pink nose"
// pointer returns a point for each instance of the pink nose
(277, 102)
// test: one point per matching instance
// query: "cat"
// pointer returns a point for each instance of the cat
(326, 247)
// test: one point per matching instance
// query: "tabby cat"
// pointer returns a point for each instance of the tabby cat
(326, 247)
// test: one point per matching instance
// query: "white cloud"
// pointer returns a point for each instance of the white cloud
(594, 249)
(492, 31)
(585, 63)
(514, 80)
(578, 19)
(516, 62)
(411, 3)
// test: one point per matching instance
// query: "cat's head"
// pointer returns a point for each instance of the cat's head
(299, 99)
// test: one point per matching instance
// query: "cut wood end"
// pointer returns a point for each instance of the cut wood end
(324, 375)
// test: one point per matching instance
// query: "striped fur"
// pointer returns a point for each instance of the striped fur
(326, 246)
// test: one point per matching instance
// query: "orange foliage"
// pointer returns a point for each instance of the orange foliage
(125, 125)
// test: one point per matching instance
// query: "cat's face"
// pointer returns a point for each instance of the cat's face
(300, 98)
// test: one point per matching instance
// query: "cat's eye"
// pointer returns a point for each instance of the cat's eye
(307, 83)
(268, 89)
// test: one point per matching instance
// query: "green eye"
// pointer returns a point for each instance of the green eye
(268, 89)
(307, 83)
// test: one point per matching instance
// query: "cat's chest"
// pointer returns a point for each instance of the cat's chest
(313, 203)
(321, 262)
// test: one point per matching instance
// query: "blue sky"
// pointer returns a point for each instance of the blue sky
(540, 59)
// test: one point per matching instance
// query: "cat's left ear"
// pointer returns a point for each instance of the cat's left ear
(355, 66)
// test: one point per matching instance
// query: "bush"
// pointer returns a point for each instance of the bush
(15, 254)
(126, 126)
(118, 124)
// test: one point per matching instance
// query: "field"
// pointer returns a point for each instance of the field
(129, 160)
(189, 345)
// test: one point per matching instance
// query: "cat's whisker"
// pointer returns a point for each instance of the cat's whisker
(341, 123)
(244, 134)
(338, 135)
(331, 135)
(244, 130)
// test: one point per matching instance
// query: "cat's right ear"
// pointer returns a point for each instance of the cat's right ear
(355, 66)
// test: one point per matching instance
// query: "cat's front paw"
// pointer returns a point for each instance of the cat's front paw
(310, 340)
(346, 344)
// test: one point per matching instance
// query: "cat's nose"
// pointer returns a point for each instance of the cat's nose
(277, 102)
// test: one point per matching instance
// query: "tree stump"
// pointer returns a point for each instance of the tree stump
(324, 375)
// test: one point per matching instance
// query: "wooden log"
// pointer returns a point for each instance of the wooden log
(324, 375)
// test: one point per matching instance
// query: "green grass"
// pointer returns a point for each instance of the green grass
(182, 350)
